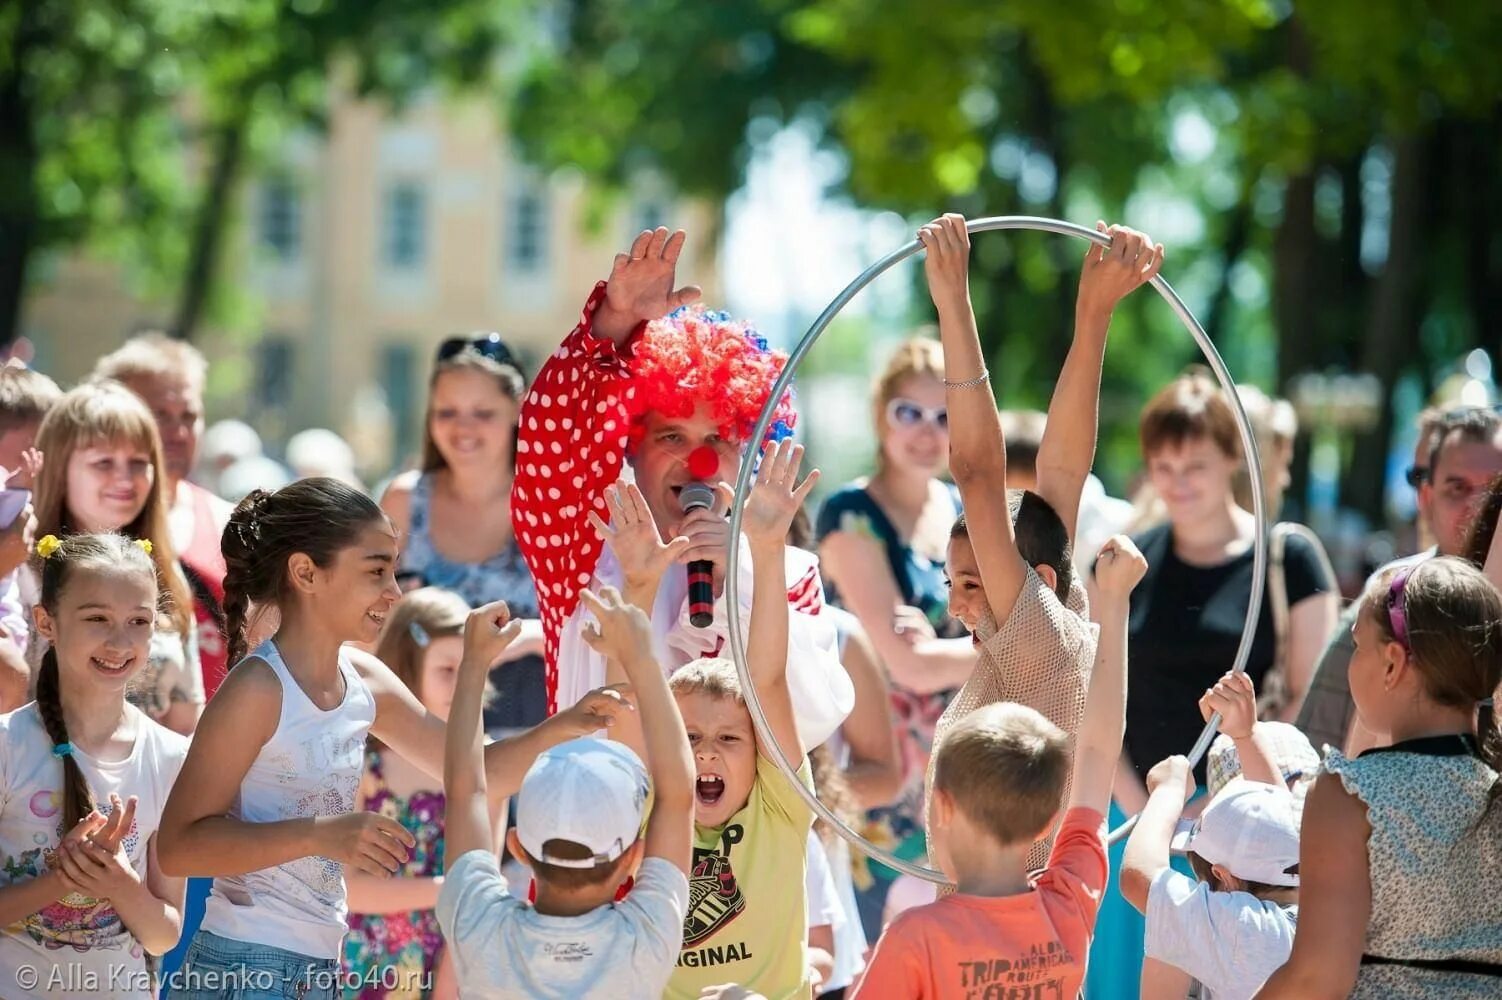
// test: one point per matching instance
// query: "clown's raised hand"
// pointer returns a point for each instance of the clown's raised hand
(641, 284)
(777, 495)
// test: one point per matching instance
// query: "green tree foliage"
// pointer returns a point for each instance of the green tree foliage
(1337, 201)
(104, 107)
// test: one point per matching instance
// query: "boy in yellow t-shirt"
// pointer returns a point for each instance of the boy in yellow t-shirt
(747, 915)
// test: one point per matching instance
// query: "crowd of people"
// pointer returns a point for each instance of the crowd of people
(480, 735)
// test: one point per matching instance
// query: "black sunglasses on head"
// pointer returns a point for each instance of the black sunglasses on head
(487, 345)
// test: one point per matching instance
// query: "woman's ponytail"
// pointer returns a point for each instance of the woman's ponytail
(1489, 747)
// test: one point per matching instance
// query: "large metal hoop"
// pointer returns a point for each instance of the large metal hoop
(743, 487)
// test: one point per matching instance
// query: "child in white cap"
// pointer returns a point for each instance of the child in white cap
(1234, 927)
(579, 826)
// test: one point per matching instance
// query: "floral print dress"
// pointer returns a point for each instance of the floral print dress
(395, 955)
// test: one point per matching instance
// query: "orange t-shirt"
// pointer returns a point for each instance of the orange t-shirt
(1032, 945)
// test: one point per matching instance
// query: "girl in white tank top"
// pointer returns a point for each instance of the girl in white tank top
(265, 804)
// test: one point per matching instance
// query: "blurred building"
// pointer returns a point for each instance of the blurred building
(359, 250)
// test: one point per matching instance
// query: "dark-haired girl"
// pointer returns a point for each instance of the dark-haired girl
(266, 801)
(83, 903)
(1401, 847)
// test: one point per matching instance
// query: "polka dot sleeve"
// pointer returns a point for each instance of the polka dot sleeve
(571, 446)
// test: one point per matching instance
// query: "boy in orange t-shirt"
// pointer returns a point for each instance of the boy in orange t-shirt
(998, 782)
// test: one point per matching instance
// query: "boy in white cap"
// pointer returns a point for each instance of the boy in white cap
(1234, 927)
(579, 826)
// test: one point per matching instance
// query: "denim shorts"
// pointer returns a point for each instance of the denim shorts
(218, 968)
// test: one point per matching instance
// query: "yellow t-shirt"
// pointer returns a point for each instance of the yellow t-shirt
(747, 917)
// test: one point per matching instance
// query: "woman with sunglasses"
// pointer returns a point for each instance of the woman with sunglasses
(453, 513)
(882, 541)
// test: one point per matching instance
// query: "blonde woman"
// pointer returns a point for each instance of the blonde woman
(104, 473)
(881, 542)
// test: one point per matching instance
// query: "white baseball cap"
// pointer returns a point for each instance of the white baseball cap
(1250, 829)
(588, 791)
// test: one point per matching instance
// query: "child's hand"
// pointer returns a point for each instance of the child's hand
(1119, 568)
(97, 871)
(1112, 273)
(776, 496)
(368, 842)
(624, 632)
(1172, 772)
(947, 261)
(597, 710)
(632, 535)
(112, 830)
(641, 283)
(1235, 698)
(487, 632)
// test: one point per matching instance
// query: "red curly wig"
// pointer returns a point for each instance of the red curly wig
(696, 355)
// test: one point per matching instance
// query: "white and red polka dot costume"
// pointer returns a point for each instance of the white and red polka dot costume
(571, 446)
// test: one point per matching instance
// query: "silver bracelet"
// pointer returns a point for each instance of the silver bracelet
(969, 383)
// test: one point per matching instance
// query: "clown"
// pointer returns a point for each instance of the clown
(650, 387)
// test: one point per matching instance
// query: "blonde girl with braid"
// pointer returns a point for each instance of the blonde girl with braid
(78, 869)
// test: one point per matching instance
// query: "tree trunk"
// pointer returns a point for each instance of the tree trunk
(210, 222)
(1295, 281)
(1234, 241)
(18, 161)
(1393, 316)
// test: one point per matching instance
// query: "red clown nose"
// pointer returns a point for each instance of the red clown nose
(703, 462)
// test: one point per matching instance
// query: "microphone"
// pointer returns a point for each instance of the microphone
(699, 496)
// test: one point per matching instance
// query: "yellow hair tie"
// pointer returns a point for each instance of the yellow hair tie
(144, 544)
(46, 545)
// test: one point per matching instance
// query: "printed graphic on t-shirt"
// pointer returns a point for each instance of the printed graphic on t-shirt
(77, 921)
(333, 767)
(714, 901)
(1035, 976)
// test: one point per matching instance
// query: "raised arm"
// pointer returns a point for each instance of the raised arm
(1170, 784)
(570, 444)
(1067, 451)
(977, 447)
(768, 514)
(1235, 698)
(624, 635)
(643, 556)
(198, 836)
(467, 820)
(1097, 746)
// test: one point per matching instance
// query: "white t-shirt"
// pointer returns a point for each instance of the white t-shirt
(1230, 941)
(74, 947)
(502, 947)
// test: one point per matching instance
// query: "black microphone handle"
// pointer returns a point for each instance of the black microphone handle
(701, 593)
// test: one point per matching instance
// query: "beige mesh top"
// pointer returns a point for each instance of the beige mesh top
(1041, 656)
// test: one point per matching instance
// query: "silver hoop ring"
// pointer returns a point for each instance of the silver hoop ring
(743, 485)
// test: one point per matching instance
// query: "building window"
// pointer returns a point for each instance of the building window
(404, 235)
(280, 218)
(275, 357)
(398, 365)
(650, 214)
(527, 243)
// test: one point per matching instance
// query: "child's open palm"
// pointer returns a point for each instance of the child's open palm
(777, 495)
(633, 536)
